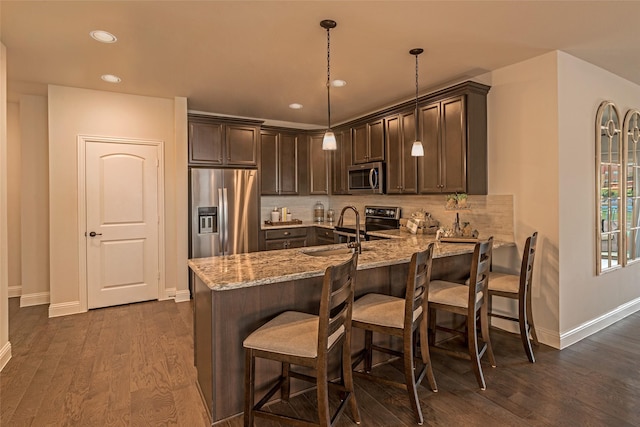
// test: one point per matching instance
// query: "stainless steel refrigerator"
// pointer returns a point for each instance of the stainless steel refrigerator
(225, 212)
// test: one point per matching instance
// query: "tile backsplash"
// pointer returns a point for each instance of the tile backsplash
(491, 215)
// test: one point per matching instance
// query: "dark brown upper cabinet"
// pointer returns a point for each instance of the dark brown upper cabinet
(318, 165)
(401, 166)
(340, 162)
(454, 136)
(279, 157)
(216, 142)
(368, 142)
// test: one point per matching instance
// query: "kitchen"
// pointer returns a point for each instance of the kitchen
(545, 163)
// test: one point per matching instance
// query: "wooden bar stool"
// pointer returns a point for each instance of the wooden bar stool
(470, 301)
(518, 287)
(400, 317)
(294, 338)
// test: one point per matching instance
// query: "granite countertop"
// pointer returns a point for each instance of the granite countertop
(325, 224)
(260, 268)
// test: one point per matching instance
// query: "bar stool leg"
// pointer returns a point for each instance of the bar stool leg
(249, 386)
(410, 376)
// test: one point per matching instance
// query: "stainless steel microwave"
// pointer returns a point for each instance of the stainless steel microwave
(367, 178)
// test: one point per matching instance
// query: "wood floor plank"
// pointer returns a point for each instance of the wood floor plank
(133, 365)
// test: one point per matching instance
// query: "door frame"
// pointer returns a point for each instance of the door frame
(82, 210)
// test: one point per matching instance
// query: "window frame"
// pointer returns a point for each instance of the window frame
(610, 128)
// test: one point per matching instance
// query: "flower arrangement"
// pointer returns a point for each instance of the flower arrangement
(457, 201)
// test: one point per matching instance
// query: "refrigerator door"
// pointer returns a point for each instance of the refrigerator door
(206, 213)
(241, 210)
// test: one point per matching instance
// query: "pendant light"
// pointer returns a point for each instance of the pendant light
(329, 140)
(417, 150)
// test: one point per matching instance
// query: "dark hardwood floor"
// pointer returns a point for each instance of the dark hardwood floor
(132, 366)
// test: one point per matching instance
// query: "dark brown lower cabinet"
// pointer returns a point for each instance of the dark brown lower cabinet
(284, 238)
(324, 236)
(223, 319)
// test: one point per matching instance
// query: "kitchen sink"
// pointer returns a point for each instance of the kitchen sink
(330, 251)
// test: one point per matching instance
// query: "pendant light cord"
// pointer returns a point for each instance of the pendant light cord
(328, 79)
(416, 116)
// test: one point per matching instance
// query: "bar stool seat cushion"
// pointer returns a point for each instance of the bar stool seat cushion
(504, 282)
(382, 310)
(450, 293)
(291, 333)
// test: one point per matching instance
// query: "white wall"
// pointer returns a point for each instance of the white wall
(34, 200)
(587, 302)
(75, 111)
(542, 150)
(13, 199)
(523, 161)
(5, 345)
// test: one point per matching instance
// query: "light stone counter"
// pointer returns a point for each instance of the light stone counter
(326, 224)
(260, 268)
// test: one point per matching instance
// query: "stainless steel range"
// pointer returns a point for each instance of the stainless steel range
(376, 218)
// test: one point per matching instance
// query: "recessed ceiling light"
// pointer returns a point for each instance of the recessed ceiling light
(103, 36)
(295, 106)
(111, 78)
(338, 83)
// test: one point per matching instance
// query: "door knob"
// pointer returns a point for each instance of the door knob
(94, 234)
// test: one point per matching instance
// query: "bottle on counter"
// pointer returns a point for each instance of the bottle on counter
(284, 214)
(318, 212)
(330, 215)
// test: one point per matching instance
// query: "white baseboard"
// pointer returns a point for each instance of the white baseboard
(545, 336)
(65, 309)
(592, 326)
(5, 355)
(38, 298)
(169, 293)
(15, 291)
(183, 296)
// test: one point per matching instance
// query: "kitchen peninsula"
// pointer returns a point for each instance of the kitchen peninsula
(236, 294)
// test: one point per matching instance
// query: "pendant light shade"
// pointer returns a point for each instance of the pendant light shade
(417, 149)
(329, 140)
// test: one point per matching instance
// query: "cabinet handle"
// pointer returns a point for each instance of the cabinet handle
(286, 233)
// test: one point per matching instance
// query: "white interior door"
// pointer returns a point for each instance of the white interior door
(122, 210)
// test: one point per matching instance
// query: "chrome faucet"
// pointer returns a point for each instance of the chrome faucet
(357, 243)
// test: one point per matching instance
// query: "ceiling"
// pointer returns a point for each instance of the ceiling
(254, 58)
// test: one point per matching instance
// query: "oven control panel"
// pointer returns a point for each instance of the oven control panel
(388, 212)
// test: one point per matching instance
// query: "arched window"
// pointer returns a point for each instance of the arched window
(609, 179)
(631, 198)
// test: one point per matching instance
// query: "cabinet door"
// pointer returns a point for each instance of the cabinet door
(318, 166)
(429, 164)
(359, 141)
(205, 143)
(409, 163)
(271, 245)
(269, 163)
(324, 236)
(241, 145)
(394, 155)
(453, 146)
(288, 163)
(341, 160)
(299, 242)
(376, 141)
